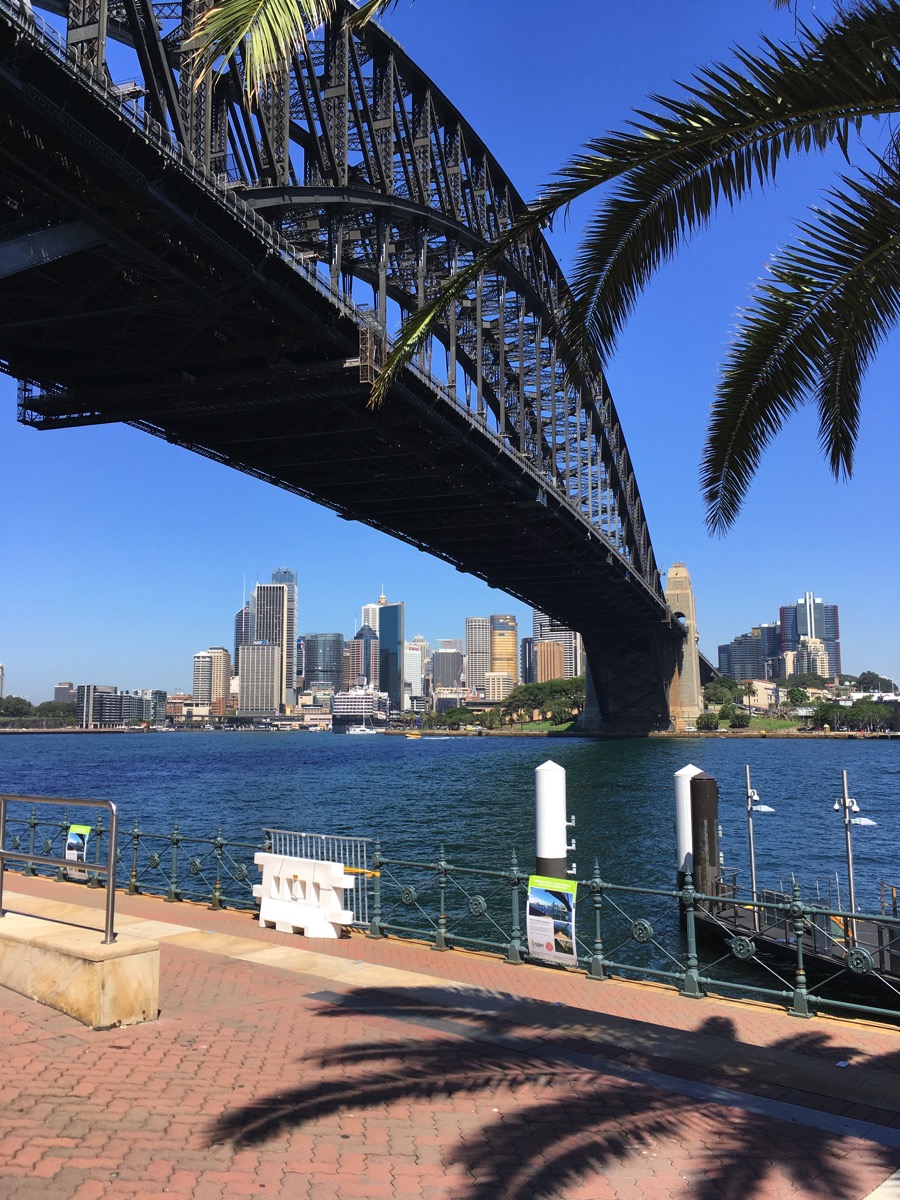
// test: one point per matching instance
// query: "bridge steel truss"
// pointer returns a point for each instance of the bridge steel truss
(178, 259)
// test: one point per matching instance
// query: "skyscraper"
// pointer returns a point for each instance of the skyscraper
(287, 577)
(202, 687)
(270, 618)
(549, 661)
(810, 617)
(260, 672)
(478, 651)
(390, 653)
(413, 670)
(505, 646)
(447, 666)
(241, 631)
(547, 629)
(324, 654)
(364, 656)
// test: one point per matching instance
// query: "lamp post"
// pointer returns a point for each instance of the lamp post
(753, 805)
(848, 805)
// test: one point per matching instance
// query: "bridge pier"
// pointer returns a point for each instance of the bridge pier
(627, 681)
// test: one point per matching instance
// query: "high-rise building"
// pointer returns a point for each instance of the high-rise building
(478, 651)
(505, 646)
(324, 653)
(810, 617)
(413, 671)
(527, 669)
(89, 701)
(288, 578)
(497, 685)
(363, 649)
(220, 680)
(549, 661)
(63, 693)
(390, 653)
(447, 666)
(202, 689)
(548, 629)
(752, 655)
(261, 680)
(273, 620)
(242, 635)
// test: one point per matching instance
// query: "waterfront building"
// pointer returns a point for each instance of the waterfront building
(527, 669)
(447, 668)
(549, 661)
(478, 651)
(202, 687)
(242, 635)
(63, 693)
(89, 703)
(497, 685)
(220, 679)
(390, 653)
(446, 699)
(504, 647)
(810, 617)
(548, 629)
(324, 658)
(158, 699)
(260, 680)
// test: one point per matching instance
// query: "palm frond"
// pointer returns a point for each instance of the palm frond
(809, 334)
(268, 30)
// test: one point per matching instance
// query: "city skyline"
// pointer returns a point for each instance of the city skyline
(144, 585)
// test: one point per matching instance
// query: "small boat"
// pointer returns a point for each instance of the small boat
(413, 737)
(363, 728)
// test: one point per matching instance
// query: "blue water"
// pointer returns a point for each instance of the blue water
(476, 795)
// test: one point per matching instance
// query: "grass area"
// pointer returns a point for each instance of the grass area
(773, 723)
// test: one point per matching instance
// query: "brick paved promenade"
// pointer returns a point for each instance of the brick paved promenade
(312, 1070)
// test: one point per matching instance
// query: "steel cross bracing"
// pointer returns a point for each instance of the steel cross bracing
(357, 179)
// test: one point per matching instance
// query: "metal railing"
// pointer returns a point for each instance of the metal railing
(777, 946)
(29, 857)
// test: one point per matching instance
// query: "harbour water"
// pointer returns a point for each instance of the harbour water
(475, 796)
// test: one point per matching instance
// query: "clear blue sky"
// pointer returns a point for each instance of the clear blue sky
(123, 556)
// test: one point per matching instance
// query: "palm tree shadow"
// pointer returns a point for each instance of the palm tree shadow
(570, 1119)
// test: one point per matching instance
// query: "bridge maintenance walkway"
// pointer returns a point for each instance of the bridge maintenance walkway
(308, 1070)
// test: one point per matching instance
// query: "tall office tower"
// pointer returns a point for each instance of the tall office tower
(202, 689)
(158, 700)
(63, 693)
(505, 646)
(370, 617)
(289, 579)
(241, 631)
(478, 651)
(413, 671)
(425, 649)
(451, 644)
(497, 685)
(260, 680)
(446, 666)
(390, 653)
(220, 680)
(270, 620)
(811, 618)
(364, 656)
(547, 629)
(527, 671)
(549, 661)
(324, 654)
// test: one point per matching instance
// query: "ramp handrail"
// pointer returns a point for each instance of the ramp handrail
(47, 860)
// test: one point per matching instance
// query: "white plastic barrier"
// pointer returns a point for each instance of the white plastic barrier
(301, 895)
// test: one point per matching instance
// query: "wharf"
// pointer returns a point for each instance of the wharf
(306, 1070)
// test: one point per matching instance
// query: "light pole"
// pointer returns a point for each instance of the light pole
(753, 805)
(846, 803)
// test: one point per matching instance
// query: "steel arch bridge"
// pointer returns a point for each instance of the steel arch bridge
(222, 275)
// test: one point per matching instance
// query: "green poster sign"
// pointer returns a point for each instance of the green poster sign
(550, 920)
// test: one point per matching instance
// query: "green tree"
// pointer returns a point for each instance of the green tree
(813, 325)
(871, 681)
(748, 690)
(727, 711)
(15, 706)
(707, 721)
(720, 691)
(798, 697)
(739, 719)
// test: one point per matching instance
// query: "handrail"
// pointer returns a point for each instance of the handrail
(96, 868)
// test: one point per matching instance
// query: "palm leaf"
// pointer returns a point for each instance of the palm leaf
(809, 335)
